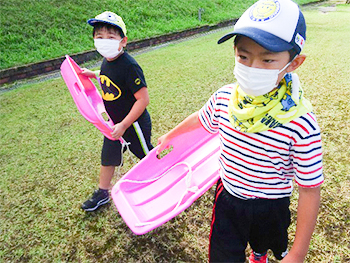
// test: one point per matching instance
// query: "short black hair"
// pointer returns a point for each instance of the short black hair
(100, 25)
(292, 52)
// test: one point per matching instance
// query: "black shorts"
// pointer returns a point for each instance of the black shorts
(263, 223)
(139, 137)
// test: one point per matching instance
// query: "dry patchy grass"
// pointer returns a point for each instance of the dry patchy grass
(50, 157)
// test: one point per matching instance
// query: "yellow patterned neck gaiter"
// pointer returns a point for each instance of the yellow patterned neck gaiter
(261, 113)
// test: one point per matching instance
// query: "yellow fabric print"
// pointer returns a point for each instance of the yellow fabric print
(261, 113)
(109, 96)
(137, 81)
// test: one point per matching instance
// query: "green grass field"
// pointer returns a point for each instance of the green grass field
(49, 156)
(33, 31)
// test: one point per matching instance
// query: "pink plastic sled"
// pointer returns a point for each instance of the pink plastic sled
(86, 97)
(156, 190)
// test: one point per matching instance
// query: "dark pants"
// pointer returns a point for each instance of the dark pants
(263, 223)
(139, 137)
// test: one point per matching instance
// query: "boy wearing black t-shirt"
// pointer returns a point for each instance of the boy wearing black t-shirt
(125, 96)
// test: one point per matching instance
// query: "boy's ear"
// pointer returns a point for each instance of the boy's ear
(124, 41)
(296, 63)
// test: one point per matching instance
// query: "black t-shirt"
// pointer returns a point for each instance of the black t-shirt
(120, 80)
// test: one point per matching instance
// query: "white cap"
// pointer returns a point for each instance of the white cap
(276, 25)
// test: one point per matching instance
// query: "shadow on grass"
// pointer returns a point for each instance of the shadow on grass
(167, 243)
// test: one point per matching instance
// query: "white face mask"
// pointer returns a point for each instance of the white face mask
(256, 81)
(108, 48)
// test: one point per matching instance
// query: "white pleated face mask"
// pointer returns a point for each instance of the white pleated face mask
(256, 81)
(108, 48)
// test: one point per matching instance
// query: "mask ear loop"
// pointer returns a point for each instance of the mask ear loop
(286, 66)
(120, 41)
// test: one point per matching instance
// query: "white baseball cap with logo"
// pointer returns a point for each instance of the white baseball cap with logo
(276, 25)
(109, 18)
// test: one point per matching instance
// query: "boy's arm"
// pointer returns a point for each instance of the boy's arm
(142, 100)
(89, 73)
(190, 123)
(308, 205)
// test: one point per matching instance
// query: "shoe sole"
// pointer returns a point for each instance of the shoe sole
(102, 202)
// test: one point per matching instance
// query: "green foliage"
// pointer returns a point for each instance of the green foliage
(32, 31)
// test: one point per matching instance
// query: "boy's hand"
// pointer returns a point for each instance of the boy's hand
(118, 130)
(163, 143)
(88, 73)
(308, 205)
(291, 259)
(188, 124)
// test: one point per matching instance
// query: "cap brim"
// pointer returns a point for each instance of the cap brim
(93, 21)
(263, 38)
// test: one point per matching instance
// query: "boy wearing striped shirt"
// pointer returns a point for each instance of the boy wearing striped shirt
(268, 136)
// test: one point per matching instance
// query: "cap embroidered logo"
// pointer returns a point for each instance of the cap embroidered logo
(265, 10)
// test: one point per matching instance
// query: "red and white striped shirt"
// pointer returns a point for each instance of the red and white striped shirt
(263, 164)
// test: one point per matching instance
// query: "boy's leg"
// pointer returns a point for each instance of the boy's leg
(270, 228)
(139, 137)
(110, 157)
(229, 228)
(106, 175)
